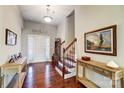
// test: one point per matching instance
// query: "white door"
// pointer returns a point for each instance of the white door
(38, 48)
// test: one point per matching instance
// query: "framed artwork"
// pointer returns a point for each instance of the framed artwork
(11, 38)
(101, 41)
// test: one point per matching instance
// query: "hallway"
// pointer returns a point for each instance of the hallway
(43, 75)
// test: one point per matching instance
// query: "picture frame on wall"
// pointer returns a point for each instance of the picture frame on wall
(101, 41)
(11, 38)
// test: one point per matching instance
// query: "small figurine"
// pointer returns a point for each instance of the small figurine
(15, 57)
(11, 59)
(20, 55)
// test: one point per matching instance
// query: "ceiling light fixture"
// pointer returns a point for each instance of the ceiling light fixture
(47, 19)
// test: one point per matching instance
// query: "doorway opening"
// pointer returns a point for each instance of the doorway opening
(38, 48)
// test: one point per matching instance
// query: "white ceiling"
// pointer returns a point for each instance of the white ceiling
(37, 12)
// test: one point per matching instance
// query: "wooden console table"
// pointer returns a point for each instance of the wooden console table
(21, 66)
(100, 68)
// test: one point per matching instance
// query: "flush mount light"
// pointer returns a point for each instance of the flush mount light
(48, 14)
(48, 19)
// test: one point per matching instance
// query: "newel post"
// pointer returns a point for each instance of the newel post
(63, 71)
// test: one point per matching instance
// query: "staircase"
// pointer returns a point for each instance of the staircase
(66, 67)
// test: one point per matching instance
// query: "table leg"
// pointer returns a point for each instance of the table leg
(77, 72)
(83, 71)
(113, 80)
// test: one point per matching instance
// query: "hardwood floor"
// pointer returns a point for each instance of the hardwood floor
(43, 75)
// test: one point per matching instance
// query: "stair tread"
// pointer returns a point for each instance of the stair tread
(70, 55)
(61, 68)
(68, 65)
(70, 59)
(72, 51)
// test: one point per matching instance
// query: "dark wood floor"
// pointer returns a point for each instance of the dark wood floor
(43, 75)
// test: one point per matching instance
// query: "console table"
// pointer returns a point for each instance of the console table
(21, 66)
(100, 68)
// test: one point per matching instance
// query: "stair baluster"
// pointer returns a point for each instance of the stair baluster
(68, 56)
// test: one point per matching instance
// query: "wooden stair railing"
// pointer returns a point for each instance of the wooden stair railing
(61, 48)
(62, 42)
(68, 53)
(58, 57)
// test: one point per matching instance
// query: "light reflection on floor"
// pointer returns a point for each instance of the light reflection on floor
(30, 76)
(47, 75)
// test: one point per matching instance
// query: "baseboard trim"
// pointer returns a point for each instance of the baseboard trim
(40, 62)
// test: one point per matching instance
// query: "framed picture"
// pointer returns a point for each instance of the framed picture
(101, 41)
(11, 38)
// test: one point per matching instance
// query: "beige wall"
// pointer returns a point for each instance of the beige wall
(33, 28)
(66, 30)
(9, 18)
(61, 28)
(70, 30)
(89, 18)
